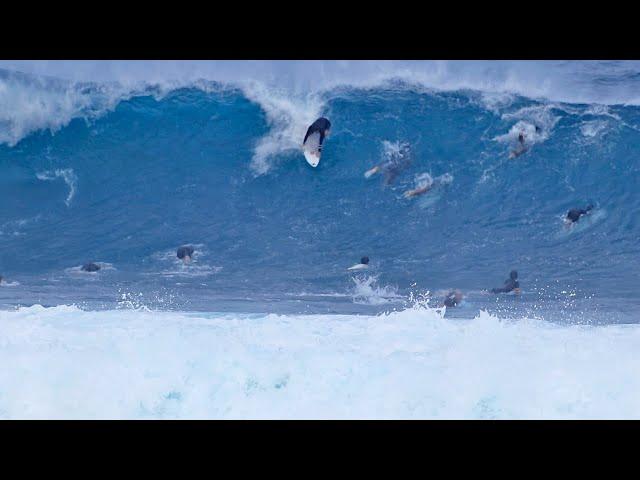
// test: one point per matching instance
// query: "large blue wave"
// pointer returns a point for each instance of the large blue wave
(125, 179)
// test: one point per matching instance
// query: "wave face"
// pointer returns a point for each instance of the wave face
(406, 365)
(124, 172)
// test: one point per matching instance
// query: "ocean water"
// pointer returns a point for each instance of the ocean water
(120, 163)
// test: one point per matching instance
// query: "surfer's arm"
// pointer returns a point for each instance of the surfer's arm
(372, 171)
(322, 135)
(415, 192)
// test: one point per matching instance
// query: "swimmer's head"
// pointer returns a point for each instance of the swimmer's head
(364, 260)
(589, 208)
(513, 274)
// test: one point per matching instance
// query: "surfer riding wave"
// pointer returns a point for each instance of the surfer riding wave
(313, 140)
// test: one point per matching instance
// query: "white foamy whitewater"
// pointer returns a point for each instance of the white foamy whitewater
(47, 95)
(62, 362)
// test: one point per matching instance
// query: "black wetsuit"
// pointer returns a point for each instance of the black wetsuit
(90, 267)
(321, 125)
(510, 284)
(185, 252)
(575, 213)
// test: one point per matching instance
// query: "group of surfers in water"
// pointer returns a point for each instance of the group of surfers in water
(390, 168)
(397, 162)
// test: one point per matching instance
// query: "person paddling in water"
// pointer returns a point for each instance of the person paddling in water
(424, 184)
(90, 267)
(521, 148)
(185, 253)
(574, 215)
(453, 299)
(393, 165)
(511, 284)
(364, 264)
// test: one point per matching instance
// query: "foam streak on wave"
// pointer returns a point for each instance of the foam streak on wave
(69, 177)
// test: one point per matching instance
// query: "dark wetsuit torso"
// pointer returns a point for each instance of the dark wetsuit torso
(90, 267)
(451, 300)
(575, 213)
(509, 285)
(321, 126)
(185, 252)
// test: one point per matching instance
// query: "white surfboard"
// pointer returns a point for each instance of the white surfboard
(358, 266)
(312, 158)
(311, 149)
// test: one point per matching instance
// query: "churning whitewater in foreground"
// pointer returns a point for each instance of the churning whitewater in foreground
(120, 163)
(62, 362)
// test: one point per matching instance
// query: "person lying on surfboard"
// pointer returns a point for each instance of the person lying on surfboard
(574, 214)
(364, 263)
(90, 267)
(392, 167)
(511, 284)
(322, 126)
